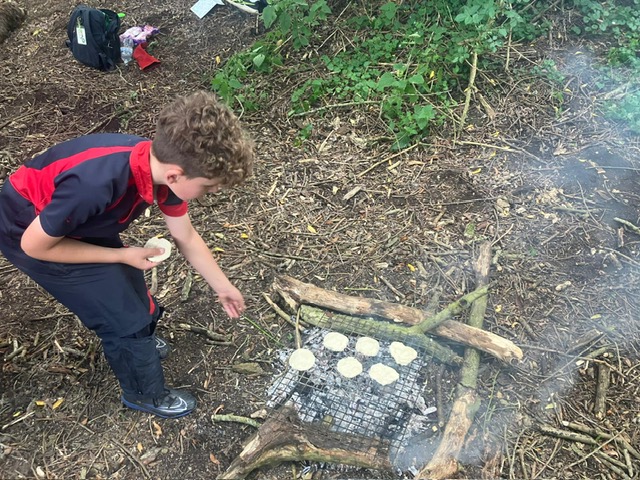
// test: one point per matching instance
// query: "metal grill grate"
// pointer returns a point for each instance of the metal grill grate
(376, 414)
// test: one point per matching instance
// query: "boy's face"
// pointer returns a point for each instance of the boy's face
(189, 188)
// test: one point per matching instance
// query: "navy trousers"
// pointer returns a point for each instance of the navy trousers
(111, 299)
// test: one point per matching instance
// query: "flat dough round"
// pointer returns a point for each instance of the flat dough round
(367, 346)
(383, 374)
(302, 359)
(156, 242)
(402, 354)
(349, 367)
(335, 341)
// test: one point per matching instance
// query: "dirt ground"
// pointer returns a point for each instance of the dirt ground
(547, 182)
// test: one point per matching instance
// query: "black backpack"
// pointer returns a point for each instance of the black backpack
(93, 37)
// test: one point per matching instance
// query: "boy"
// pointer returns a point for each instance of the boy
(61, 214)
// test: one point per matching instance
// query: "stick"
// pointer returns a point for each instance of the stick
(281, 312)
(295, 292)
(470, 88)
(284, 438)
(628, 224)
(602, 386)
(596, 432)
(235, 418)
(444, 463)
(216, 337)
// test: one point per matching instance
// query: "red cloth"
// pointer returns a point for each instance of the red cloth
(143, 58)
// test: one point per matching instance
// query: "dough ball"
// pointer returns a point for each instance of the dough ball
(382, 374)
(402, 354)
(367, 346)
(302, 359)
(349, 367)
(335, 341)
(156, 242)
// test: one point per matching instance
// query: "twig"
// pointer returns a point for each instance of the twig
(628, 224)
(235, 418)
(391, 287)
(133, 458)
(186, 288)
(18, 420)
(211, 335)
(377, 164)
(596, 432)
(469, 91)
(602, 387)
(281, 312)
(14, 354)
(335, 105)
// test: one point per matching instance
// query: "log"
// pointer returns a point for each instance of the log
(284, 438)
(444, 463)
(295, 292)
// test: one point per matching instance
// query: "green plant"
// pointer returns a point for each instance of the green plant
(297, 18)
(407, 60)
(626, 110)
(618, 20)
(229, 81)
(409, 57)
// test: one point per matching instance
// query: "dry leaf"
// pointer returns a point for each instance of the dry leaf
(40, 403)
(411, 267)
(157, 429)
(57, 403)
(139, 447)
(213, 459)
(311, 229)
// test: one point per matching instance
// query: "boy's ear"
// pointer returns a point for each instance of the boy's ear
(173, 174)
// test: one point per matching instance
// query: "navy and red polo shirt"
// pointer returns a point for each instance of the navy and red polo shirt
(93, 187)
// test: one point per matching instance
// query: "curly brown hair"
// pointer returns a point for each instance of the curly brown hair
(203, 137)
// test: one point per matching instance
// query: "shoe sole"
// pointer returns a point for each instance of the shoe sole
(135, 406)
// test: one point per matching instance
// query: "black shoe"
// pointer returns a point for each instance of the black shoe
(162, 347)
(173, 404)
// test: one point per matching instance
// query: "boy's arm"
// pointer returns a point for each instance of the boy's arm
(192, 246)
(38, 244)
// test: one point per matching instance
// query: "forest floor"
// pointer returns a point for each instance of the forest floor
(546, 182)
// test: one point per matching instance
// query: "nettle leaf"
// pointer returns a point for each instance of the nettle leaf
(258, 60)
(387, 79)
(269, 16)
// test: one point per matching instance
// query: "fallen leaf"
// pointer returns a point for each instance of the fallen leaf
(311, 229)
(139, 447)
(57, 403)
(244, 235)
(411, 267)
(157, 429)
(213, 459)
(40, 403)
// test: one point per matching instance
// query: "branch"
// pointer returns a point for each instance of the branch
(295, 292)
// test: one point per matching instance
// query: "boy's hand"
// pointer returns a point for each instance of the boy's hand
(231, 300)
(139, 257)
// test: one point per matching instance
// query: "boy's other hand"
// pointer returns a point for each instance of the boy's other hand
(139, 257)
(232, 301)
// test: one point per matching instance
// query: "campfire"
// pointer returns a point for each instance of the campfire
(367, 407)
(355, 391)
